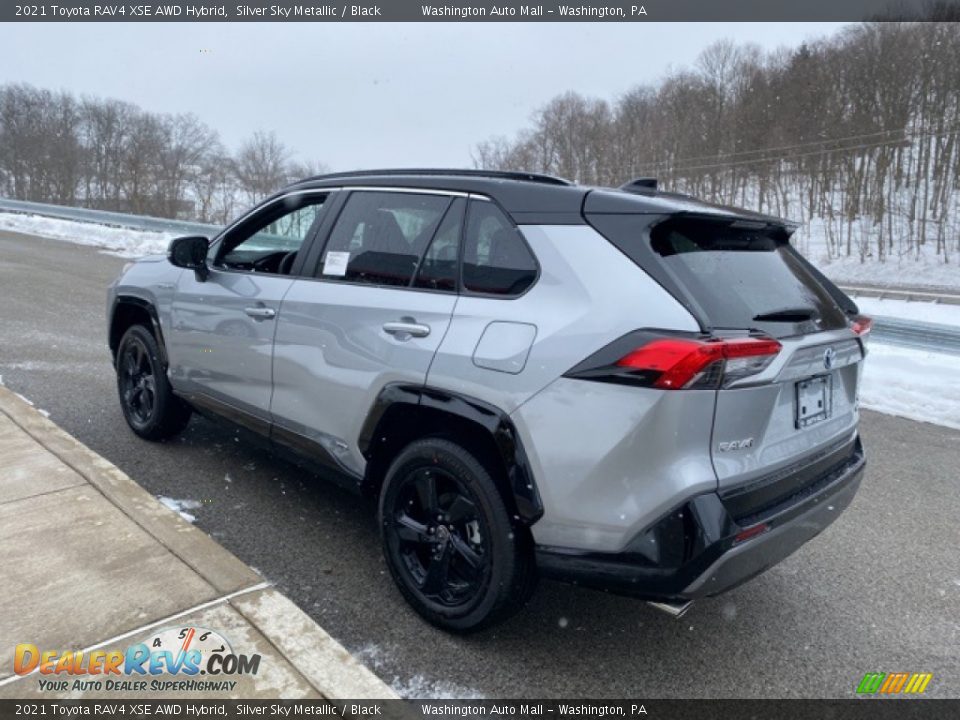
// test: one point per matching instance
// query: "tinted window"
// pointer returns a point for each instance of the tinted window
(263, 242)
(496, 260)
(438, 269)
(744, 278)
(379, 237)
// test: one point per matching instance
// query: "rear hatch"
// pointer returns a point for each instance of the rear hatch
(786, 409)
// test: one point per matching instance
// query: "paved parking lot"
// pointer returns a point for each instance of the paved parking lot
(879, 591)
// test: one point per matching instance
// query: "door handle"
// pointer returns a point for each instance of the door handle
(260, 313)
(404, 328)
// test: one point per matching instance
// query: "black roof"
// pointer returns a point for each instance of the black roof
(534, 198)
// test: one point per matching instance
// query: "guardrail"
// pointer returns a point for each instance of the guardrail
(112, 219)
(936, 295)
(912, 333)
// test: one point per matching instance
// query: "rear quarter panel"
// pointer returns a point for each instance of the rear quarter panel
(587, 295)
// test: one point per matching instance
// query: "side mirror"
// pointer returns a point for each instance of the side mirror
(190, 252)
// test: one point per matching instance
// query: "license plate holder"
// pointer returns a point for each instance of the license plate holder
(814, 400)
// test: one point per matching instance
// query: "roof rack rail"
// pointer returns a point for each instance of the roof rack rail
(432, 172)
(641, 186)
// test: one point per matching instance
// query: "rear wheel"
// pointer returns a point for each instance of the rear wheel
(151, 409)
(448, 539)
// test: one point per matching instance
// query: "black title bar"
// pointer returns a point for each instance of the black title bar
(481, 11)
(174, 709)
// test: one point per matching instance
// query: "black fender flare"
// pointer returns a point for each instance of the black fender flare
(520, 483)
(146, 306)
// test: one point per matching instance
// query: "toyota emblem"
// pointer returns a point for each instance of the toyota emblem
(829, 356)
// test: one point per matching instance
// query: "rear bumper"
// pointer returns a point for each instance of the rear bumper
(693, 552)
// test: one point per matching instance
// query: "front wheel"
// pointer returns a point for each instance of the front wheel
(448, 539)
(149, 406)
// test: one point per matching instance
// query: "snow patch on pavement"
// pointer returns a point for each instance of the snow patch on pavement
(124, 242)
(421, 688)
(416, 687)
(914, 384)
(181, 506)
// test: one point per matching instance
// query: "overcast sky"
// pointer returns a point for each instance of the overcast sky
(364, 95)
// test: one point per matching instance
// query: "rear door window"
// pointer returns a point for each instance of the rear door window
(438, 269)
(380, 237)
(496, 259)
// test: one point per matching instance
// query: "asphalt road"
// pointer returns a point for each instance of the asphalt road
(879, 591)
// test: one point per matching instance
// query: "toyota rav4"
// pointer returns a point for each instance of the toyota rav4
(623, 388)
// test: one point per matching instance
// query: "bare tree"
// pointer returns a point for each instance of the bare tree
(113, 155)
(261, 165)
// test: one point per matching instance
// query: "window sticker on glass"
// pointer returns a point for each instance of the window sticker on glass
(336, 263)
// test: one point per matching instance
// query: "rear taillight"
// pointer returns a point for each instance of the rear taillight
(862, 325)
(675, 363)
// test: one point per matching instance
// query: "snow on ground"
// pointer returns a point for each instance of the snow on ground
(418, 687)
(922, 311)
(923, 272)
(914, 384)
(181, 506)
(901, 266)
(119, 241)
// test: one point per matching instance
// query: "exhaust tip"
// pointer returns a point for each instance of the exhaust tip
(675, 609)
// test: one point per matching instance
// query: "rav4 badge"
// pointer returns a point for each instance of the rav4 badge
(736, 445)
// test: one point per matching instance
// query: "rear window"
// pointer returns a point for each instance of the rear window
(744, 277)
(732, 275)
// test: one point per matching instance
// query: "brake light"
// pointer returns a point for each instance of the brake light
(684, 363)
(862, 325)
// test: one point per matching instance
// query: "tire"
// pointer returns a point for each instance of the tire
(469, 571)
(149, 406)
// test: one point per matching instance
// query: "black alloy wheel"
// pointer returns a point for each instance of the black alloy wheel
(138, 385)
(448, 538)
(438, 533)
(149, 406)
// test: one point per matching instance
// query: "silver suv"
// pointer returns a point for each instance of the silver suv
(622, 388)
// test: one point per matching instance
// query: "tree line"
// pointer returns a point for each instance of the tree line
(113, 155)
(854, 135)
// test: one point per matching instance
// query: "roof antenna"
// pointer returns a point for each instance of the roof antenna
(641, 186)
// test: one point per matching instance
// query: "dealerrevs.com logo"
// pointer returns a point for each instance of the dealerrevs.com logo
(171, 660)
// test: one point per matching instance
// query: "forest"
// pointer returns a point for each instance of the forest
(853, 135)
(112, 155)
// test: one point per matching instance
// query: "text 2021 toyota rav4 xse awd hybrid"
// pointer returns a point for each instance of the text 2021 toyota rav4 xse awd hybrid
(623, 388)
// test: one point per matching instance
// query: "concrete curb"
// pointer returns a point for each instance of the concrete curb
(320, 659)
